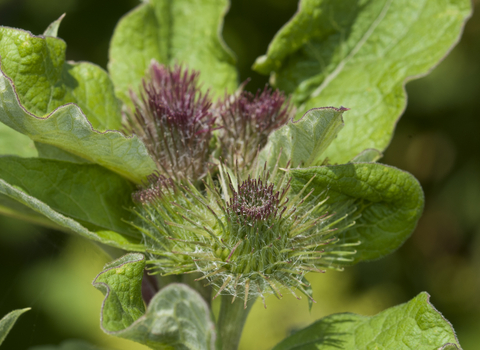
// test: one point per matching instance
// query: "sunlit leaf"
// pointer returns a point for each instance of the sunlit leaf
(359, 55)
(413, 325)
(390, 202)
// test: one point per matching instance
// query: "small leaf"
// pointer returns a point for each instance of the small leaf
(7, 322)
(413, 325)
(389, 200)
(69, 130)
(68, 345)
(52, 29)
(44, 81)
(360, 55)
(172, 32)
(303, 141)
(177, 317)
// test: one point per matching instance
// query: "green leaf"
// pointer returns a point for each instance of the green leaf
(389, 200)
(52, 29)
(303, 142)
(413, 325)
(184, 32)
(367, 156)
(85, 199)
(87, 192)
(176, 318)
(14, 143)
(69, 130)
(44, 81)
(360, 55)
(7, 322)
(67, 345)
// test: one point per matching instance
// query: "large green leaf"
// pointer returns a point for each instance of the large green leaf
(413, 325)
(85, 199)
(44, 81)
(182, 31)
(176, 318)
(304, 141)
(68, 129)
(7, 322)
(359, 54)
(85, 192)
(389, 200)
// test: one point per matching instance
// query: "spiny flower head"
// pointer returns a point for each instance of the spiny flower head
(248, 119)
(174, 120)
(248, 237)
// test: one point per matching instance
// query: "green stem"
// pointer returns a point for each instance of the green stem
(230, 323)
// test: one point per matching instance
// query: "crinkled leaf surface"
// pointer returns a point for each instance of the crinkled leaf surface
(44, 81)
(68, 345)
(182, 31)
(68, 129)
(389, 200)
(304, 141)
(359, 54)
(411, 326)
(7, 322)
(176, 318)
(86, 199)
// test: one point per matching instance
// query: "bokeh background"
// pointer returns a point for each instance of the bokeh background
(437, 140)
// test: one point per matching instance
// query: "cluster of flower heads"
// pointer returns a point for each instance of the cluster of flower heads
(183, 128)
(238, 224)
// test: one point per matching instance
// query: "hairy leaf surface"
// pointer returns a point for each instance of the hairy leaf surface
(413, 325)
(359, 54)
(389, 200)
(172, 32)
(176, 318)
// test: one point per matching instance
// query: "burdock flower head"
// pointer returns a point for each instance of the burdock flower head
(174, 120)
(247, 236)
(239, 224)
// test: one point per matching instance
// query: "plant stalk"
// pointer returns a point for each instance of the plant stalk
(230, 322)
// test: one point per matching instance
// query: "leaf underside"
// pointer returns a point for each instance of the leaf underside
(7, 322)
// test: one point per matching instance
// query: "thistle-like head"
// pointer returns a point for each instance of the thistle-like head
(248, 119)
(247, 237)
(174, 120)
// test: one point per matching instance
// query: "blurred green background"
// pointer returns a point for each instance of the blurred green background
(437, 140)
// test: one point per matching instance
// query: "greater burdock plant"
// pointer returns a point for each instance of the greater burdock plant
(238, 195)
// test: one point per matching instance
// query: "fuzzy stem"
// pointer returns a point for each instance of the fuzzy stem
(230, 323)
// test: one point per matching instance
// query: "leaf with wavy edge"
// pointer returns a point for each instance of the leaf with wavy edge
(389, 200)
(176, 318)
(14, 143)
(182, 31)
(68, 129)
(7, 322)
(359, 55)
(68, 224)
(413, 325)
(44, 81)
